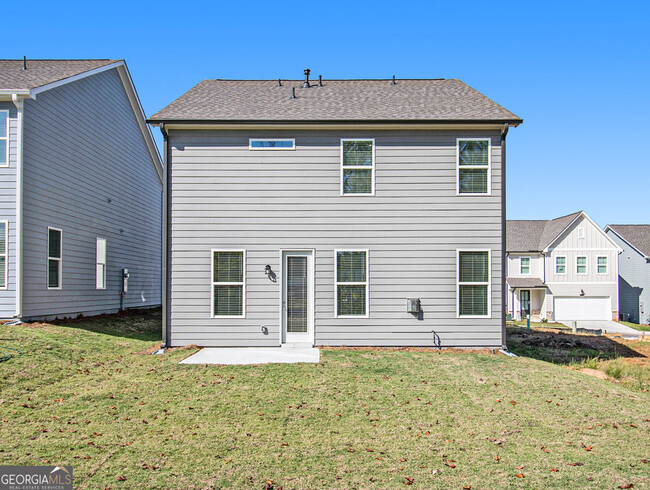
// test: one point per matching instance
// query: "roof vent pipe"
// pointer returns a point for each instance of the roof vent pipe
(279, 83)
(293, 92)
(320, 80)
(24, 62)
(394, 82)
(306, 84)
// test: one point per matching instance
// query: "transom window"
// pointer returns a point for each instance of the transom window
(100, 263)
(560, 265)
(581, 264)
(4, 138)
(228, 275)
(474, 283)
(473, 166)
(4, 235)
(54, 258)
(351, 283)
(357, 166)
(524, 265)
(602, 265)
(272, 144)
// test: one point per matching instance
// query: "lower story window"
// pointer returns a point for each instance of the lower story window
(352, 283)
(3, 253)
(474, 283)
(54, 258)
(228, 276)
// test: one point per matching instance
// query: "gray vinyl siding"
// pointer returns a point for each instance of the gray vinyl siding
(633, 281)
(8, 213)
(225, 196)
(87, 171)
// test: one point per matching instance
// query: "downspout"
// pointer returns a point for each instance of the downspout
(19, 103)
(504, 291)
(166, 241)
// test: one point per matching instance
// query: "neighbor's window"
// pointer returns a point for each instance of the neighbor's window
(602, 265)
(4, 138)
(581, 264)
(4, 234)
(560, 265)
(474, 283)
(473, 166)
(357, 166)
(100, 262)
(228, 272)
(272, 144)
(54, 258)
(524, 265)
(351, 283)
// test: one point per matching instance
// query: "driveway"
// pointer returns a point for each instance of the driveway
(607, 326)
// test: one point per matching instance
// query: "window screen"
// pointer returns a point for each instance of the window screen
(357, 166)
(351, 283)
(228, 283)
(473, 166)
(473, 283)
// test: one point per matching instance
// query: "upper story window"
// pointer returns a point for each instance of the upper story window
(351, 283)
(228, 276)
(602, 265)
(524, 266)
(357, 166)
(473, 283)
(4, 235)
(54, 258)
(272, 144)
(581, 264)
(473, 162)
(4, 138)
(560, 265)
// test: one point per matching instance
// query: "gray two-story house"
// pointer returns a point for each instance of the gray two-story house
(80, 191)
(334, 212)
(633, 270)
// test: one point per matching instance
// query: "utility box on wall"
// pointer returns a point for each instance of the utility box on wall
(413, 306)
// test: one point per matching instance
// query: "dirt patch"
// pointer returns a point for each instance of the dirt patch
(594, 372)
(444, 350)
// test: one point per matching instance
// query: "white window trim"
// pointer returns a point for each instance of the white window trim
(372, 168)
(5, 254)
(97, 262)
(488, 167)
(250, 144)
(521, 265)
(598, 265)
(459, 284)
(565, 265)
(242, 283)
(5, 137)
(60, 259)
(337, 283)
(586, 265)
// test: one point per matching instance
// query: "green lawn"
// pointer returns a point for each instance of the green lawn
(636, 326)
(359, 419)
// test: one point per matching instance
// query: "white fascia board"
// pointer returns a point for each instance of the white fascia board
(74, 78)
(609, 228)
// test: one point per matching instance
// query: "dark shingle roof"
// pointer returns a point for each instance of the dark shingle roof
(525, 282)
(42, 72)
(336, 100)
(636, 235)
(535, 235)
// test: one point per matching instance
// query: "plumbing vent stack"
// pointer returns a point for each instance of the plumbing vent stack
(293, 92)
(306, 84)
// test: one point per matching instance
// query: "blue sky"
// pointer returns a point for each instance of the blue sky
(577, 72)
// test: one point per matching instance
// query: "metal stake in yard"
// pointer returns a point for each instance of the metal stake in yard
(574, 326)
(528, 321)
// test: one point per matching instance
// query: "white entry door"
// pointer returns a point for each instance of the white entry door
(583, 308)
(298, 297)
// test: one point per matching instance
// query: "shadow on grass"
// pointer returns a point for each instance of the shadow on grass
(133, 324)
(565, 348)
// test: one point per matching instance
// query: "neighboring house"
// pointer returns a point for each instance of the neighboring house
(633, 270)
(561, 270)
(312, 220)
(81, 191)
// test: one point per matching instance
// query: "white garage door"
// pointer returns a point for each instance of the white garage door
(582, 308)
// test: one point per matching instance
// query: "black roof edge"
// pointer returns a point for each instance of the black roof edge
(515, 122)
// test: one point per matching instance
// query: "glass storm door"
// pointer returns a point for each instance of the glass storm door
(297, 294)
(524, 296)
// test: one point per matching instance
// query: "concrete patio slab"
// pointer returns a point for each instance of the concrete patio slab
(253, 355)
(608, 326)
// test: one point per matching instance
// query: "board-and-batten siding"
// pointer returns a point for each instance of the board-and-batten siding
(87, 171)
(633, 282)
(226, 196)
(8, 213)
